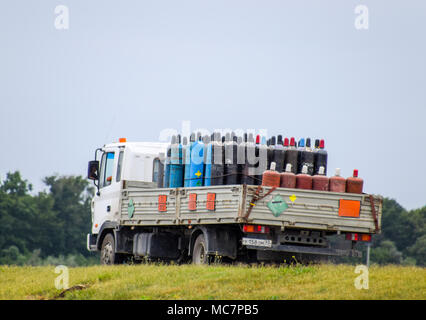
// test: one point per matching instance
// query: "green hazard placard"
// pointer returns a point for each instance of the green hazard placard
(277, 205)
(130, 209)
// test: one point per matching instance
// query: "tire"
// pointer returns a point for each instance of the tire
(199, 255)
(108, 254)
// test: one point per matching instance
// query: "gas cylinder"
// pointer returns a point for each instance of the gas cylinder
(288, 178)
(166, 181)
(271, 148)
(300, 149)
(354, 184)
(321, 158)
(271, 178)
(307, 157)
(184, 146)
(188, 151)
(291, 155)
(279, 154)
(337, 183)
(197, 163)
(231, 166)
(250, 163)
(217, 160)
(257, 174)
(320, 181)
(176, 164)
(241, 158)
(304, 180)
(263, 164)
(207, 160)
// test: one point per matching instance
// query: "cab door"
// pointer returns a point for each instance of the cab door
(106, 202)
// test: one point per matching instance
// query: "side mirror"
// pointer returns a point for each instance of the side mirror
(92, 171)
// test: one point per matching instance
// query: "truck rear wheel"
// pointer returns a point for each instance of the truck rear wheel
(199, 253)
(108, 254)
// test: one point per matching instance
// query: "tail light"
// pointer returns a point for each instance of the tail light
(358, 237)
(252, 228)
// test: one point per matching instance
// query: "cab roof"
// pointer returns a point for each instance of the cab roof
(152, 148)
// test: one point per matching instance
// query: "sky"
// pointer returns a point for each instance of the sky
(298, 68)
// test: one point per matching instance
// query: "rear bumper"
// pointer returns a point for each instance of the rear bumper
(91, 242)
(309, 250)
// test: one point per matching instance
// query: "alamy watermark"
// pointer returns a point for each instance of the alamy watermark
(256, 158)
(361, 282)
(62, 281)
(362, 17)
(62, 17)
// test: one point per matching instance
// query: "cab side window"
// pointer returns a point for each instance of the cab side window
(157, 171)
(107, 168)
(119, 166)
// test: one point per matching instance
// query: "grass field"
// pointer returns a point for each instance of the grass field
(214, 282)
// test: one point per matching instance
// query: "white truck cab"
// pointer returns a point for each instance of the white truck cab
(133, 161)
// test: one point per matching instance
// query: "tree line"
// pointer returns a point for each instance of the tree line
(50, 227)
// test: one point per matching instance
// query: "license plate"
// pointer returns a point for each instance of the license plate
(257, 242)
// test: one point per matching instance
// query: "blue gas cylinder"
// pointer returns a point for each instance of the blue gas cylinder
(196, 170)
(176, 164)
(188, 150)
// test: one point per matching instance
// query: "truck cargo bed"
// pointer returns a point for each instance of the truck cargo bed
(230, 204)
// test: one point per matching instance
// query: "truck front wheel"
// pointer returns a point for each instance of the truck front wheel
(199, 253)
(108, 254)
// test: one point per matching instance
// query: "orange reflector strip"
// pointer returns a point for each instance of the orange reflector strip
(122, 140)
(366, 237)
(349, 208)
(192, 203)
(211, 200)
(162, 203)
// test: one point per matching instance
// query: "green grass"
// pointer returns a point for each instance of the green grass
(152, 281)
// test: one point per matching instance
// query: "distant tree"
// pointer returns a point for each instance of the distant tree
(402, 227)
(418, 251)
(54, 222)
(12, 255)
(71, 203)
(386, 253)
(15, 185)
(18, 212)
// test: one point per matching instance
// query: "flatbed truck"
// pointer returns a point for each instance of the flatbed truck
(133, 218)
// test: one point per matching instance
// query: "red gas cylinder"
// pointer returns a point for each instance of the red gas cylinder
(354, 184)
(337, 183)
(288, 178)
(320, 181)
(304, 180)
(271, 178)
